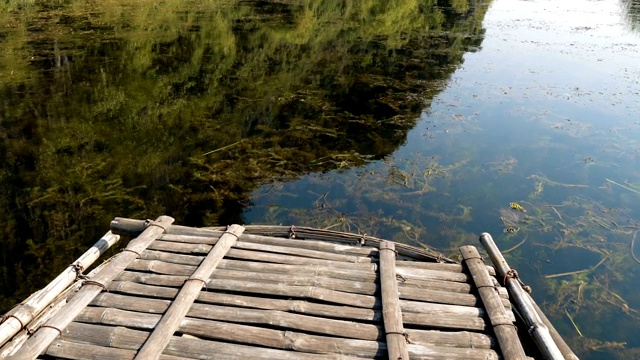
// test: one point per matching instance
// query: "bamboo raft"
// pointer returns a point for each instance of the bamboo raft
(277, 292)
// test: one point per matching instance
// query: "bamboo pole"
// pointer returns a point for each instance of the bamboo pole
(50, 330)
(21, 315)
(172, 319)
(524, 303)
(503, 326)
(393, 327)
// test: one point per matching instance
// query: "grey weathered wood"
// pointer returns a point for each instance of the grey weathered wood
(237, 333)
(123, 338)
(449, 321)
(437, 266)
(303, 292)
(315, 254)
(237, 253)
(323, 235)
(158, 306)
(251, 335)
(460, 339)
(427, 274)
(450, 286)
(172, 318)
(393, 326)
(438, 353)
(23, 313)
(415, 313)
(301, 322)
(542, 335)
(269, 240)
(300, 279)
(45, 335)
(503, 327)
(312, 245)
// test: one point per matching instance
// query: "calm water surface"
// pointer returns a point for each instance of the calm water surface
(414, 122)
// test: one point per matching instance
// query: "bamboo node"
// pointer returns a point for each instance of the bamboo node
(440, 258)
(292, 232)
(54, 328)
(230, 233)
(5, 318)
(363, 239)
(133, 251)
(92, 282)
(385, 248)
(150, 222)
(204, 282)
(404, 334)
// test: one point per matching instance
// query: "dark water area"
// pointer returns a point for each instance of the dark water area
(415, 121)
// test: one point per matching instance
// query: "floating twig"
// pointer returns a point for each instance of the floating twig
(222, 148)
(632, 244)
(577, 271)
(555, 210)
(516, 246)
(573, 322)
(623, 186)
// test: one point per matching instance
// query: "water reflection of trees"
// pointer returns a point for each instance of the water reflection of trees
(115, 108)
(631, 9)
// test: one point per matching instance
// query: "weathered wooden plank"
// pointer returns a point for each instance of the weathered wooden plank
(437, 266)
(441, 285)
(438, 296)
(282, 319)
(443, 297)
(243, 334)
(304, 292)
(45, 335)
(436, 315)
(272, 317)
(393, 326)
(307, 233)
(303, 252)
(121, 337)
(354, 273)
(70, 350)
(147, 279)
(423, 352)
(301, 279)
(409, 306)
(172, 318)
(237, 333)
(448, 321)
(182, 259)
(460, 339)
(161, 267)
(285, 242)
(445, 309)
(237, 253)
(503, 327)
(312, 245)
(26, 311)
(428, 274)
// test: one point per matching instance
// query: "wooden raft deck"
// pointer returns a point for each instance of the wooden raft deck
(266, 292)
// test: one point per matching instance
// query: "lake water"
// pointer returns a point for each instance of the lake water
(409, 121)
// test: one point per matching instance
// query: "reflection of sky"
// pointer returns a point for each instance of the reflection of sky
(576, 49)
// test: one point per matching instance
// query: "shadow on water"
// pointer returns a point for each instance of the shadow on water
(184, 108)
